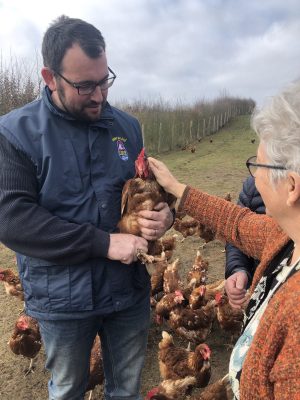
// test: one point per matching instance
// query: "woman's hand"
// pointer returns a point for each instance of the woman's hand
(165, 178)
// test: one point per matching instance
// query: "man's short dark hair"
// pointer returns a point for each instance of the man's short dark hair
(63, 33)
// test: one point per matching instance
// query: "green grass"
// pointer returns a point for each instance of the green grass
(216, 167)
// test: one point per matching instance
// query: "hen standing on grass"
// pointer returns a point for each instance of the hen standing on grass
(26, 339)
(177, 362)
(12, 283)
(141, 193)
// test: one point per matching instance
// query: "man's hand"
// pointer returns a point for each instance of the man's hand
(155, 223)
(124, 247)
(235, 287)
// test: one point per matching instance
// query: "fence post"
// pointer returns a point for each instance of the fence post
(159, 138)
(172, 135)
(143, 134)
(208, 128)
(183, 133)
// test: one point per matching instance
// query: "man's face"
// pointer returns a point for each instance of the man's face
(79, 68)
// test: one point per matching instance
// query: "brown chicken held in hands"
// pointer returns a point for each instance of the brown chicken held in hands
(141, 193)
(170, 389)
(26, 338)
(12, 283)
(177, 362)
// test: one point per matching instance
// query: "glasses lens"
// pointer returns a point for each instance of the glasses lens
(106, 84)
(88, 89)
(252, 168)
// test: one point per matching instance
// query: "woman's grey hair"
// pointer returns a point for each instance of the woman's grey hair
(277, 125)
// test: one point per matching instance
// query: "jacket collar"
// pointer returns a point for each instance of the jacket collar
(106, 117)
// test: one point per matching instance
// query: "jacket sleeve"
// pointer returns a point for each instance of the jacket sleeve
(236, 260)
(232, 223)
(32, 230)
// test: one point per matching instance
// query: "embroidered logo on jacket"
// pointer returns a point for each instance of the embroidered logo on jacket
(120, 141)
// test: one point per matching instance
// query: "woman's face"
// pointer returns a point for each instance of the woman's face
(274, 196)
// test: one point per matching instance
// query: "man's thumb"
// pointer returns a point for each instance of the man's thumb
(241, 281)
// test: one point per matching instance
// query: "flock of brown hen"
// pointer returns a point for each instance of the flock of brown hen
(187, 310)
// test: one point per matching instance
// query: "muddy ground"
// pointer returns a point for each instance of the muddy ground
(13, 384)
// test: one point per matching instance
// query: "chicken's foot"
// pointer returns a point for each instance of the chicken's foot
(30, 369)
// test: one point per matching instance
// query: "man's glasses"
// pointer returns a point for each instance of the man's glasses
(252, 166)
(89, 87)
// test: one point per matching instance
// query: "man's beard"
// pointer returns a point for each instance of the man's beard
(79, 112)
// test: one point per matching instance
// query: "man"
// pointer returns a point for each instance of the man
(64, 160)
(239, 269)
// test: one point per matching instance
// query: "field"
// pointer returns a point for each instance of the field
(216, 167)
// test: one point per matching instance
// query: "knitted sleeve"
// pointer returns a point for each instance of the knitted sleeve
(231, 223)
(30, 229)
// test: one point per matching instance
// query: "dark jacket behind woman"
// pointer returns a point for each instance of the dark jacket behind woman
(235, 259)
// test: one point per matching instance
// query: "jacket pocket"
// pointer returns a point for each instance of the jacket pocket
(60, 288)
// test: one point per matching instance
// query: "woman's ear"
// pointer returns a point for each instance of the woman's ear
(49, 78)
(293, 187)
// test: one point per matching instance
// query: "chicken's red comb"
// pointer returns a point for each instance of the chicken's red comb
(218, 297)
(178, 293)
(151, 393)
(142, 153)
(22, 323)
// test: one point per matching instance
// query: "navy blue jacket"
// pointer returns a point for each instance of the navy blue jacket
(60, 196)
(235, 259)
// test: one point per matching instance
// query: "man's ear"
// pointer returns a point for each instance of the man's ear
(49, 78)
(293, 187)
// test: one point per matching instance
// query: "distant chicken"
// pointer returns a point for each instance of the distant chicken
(193, 319)
(205, 293)
(229, 318)
(141, 193)
(219, 390)
(166, 245)
(26, 338)
(166, 304)
(12, 283)
(198, 273)
(195, 336)
(96, 375)
(187, 227)
(172, 280)
(177, 362)
(170, 389)
(157, 275)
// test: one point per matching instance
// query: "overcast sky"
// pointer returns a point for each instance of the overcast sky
(176, 49)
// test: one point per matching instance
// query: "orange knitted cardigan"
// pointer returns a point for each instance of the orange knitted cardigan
(272, 366)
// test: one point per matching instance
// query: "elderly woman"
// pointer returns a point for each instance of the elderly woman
(265, 362)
